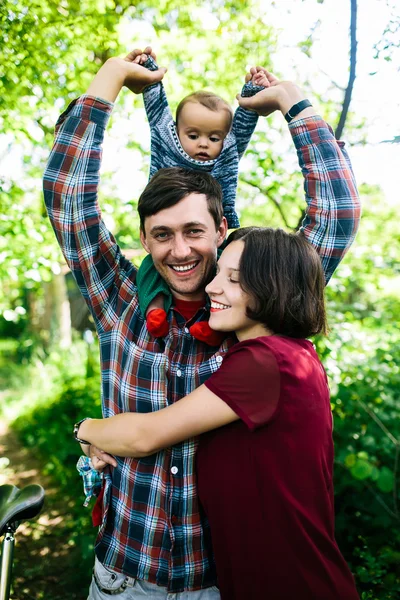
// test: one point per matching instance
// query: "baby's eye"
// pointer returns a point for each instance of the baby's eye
(192, 136)
(215, 139)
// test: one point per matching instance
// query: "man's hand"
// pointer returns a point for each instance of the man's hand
(137, 77)
(278, 95)
(100, 459)
(119, 72)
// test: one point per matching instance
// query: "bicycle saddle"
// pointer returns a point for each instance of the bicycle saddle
(19, 504)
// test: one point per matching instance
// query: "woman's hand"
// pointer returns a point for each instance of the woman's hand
(100, 459)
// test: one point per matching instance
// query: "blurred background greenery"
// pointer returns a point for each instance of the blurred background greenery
(49, 364)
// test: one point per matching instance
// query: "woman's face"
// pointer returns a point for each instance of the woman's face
(228, 300)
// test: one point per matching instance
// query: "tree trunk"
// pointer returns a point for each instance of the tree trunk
(352, 75)
(56, 318)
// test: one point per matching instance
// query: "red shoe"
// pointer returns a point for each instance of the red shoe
(203, 332)
(157, 323)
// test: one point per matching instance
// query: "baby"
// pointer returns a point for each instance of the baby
(205, 136)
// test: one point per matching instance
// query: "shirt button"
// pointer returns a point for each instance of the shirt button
(179, 373)
(174, 470)
(186, 330)
(219, 359)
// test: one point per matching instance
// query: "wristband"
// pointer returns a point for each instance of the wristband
(76, 431)
(296, 109)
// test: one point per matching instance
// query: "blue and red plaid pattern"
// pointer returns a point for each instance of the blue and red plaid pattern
(152, 526)
(92, 479)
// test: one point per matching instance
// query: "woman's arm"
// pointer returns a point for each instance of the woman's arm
(133, 434)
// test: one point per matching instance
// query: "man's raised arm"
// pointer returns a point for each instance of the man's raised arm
(105, 277)
(333, 206)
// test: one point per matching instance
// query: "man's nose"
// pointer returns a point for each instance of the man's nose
(181, 248)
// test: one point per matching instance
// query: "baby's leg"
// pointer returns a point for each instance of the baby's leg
(156, 317)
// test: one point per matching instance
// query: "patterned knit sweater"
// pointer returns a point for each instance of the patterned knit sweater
(167, 151)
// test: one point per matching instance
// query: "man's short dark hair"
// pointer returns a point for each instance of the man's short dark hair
(283, 275)
(169, 186)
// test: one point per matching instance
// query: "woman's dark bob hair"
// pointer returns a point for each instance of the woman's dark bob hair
(283, 275)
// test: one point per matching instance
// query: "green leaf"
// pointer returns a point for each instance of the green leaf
(375, 474)
(361, 470)
(386, 480)
(350, 460)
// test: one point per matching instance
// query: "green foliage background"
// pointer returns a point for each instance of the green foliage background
(49, 52)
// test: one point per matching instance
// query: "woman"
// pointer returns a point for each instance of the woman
(265, 464)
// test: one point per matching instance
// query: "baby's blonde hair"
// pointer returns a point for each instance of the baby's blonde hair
(207, 99)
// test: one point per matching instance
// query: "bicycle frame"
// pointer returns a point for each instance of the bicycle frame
(7, 555)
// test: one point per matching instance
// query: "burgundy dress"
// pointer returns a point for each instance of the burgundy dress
(265, 481)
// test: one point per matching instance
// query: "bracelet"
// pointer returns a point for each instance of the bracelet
(296, 109)
(76, 430)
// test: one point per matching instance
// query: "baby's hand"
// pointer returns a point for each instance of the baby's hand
(260, 76)
(142, 58)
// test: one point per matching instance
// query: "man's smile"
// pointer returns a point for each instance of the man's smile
(186, 269)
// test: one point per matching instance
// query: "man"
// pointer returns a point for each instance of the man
(152, 539)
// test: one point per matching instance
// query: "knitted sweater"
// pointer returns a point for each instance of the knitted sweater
(167, 151)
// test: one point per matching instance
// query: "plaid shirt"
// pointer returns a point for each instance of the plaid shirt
(152, 526)
(92, 479)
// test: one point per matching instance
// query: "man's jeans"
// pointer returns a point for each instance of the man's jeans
(107, 584)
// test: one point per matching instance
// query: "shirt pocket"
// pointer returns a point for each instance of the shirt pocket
(143, 380)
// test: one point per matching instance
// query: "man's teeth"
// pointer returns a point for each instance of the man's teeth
(183, 268)
(219, 306)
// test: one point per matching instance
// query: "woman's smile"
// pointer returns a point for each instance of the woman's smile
(217, 306)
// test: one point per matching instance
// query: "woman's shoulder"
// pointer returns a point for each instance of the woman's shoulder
(285, 350)
(275, 343)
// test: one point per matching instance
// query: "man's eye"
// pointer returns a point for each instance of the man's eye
(195, 231)
(161, 236)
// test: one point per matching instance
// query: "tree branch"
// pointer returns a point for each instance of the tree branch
(378, 422)
(352, 74)
(378, 498)
(265, 192)
(395, 476)
(396, 443)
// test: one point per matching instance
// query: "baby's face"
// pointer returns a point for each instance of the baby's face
(202, 131)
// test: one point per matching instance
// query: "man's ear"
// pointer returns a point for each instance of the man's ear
(144, 242)
(221, 232)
